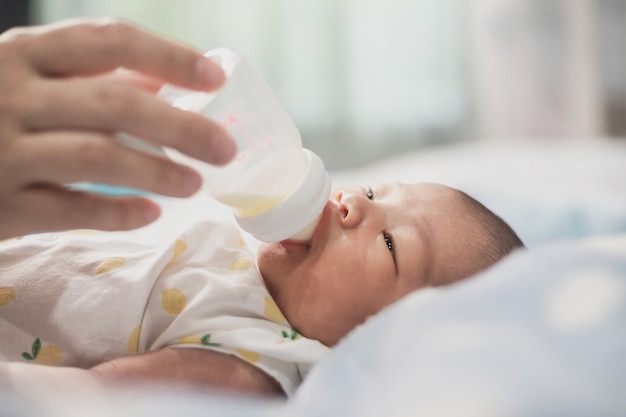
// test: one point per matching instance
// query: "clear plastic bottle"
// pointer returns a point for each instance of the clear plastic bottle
(276, 188)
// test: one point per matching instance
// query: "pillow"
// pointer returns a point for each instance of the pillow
(546, 190)
(540, 333)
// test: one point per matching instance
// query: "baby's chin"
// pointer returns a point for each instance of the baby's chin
(280, 258)
(265, 247)
(269, 254)
(285, 247)
(275, 249)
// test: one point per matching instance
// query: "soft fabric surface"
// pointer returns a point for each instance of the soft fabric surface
(546, 189)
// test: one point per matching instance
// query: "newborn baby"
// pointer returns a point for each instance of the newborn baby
(193, 308)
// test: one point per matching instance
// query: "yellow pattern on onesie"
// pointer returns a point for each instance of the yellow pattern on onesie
(7, 295)
(105, 295)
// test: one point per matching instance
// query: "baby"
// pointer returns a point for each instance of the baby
(193, 308)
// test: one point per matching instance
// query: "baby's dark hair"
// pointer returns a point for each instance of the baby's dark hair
(499, 238)
(476, 239)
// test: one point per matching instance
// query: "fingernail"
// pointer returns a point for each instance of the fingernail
(192, 181)
(210, 74)
(151, 212)
(223, 149)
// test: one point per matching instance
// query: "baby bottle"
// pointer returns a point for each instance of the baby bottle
(277, 189)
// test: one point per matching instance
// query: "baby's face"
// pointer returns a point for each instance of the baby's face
(371, 248)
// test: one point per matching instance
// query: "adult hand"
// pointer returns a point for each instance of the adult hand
(62, 102)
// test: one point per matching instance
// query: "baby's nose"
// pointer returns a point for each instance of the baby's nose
(349, 207)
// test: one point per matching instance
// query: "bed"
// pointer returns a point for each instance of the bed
(541, 333)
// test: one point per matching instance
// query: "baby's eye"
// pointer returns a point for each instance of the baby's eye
(370, 194)
(388, 241)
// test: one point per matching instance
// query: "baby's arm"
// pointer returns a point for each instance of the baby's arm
(199, 368)
(188, 366)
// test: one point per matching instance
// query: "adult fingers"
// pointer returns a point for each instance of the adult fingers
(49, 208)
(102, 104)
(63, 157)
(87, 47)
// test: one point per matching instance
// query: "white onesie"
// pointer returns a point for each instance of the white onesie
(83, 297)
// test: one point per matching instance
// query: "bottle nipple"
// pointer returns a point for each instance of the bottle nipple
(306, 234)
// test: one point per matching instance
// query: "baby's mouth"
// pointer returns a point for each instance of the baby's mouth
(295, 245)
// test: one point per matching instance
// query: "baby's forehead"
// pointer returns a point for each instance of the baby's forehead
(446, 224)
(430, 191)
(438, 211)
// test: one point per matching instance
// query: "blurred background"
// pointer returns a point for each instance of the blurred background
(364, 79)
